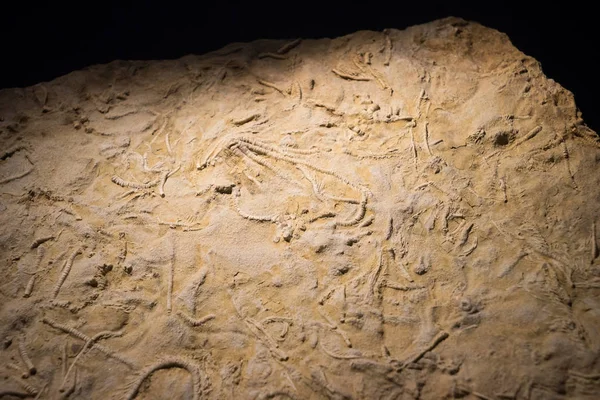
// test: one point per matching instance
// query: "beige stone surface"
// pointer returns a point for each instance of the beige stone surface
(385, 215)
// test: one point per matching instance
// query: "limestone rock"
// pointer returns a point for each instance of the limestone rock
(399, 214)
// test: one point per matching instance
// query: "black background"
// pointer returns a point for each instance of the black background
(42, 42)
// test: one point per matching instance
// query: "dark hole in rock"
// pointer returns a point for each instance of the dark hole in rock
(502, 139)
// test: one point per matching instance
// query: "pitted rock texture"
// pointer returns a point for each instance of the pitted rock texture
(407, 214)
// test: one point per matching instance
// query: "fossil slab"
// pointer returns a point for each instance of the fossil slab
(398, 214)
